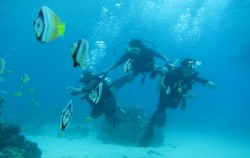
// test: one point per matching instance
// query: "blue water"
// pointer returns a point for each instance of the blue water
(215, 32)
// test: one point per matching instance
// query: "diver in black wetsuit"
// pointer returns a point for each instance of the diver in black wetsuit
(138, 59)
(175, 85)
(100, 95)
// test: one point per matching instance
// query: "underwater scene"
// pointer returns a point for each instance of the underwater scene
(124, 79)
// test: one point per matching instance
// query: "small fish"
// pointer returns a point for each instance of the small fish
(30, 90)
(36, 104)
(66, 116)
(79, 51)
(2, 66)
(17, 94)
(25, 78)
(87, 119)
(10, 71)
(48, 25)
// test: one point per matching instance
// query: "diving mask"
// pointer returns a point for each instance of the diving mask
(195, 65)
(134, 50)
(191, 64)
(87, 76)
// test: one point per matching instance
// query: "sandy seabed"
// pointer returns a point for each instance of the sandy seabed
(177, 144)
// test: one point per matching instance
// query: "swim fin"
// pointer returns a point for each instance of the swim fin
(147, 137)
(161, 119)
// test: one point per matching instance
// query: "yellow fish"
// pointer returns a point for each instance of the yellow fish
(25, 79)
(48, 25)
(30, 90)
(17, 94)
(10, 71)
(87, 119)
(36, 104)
(2, 66)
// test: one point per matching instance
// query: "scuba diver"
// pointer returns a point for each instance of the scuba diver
(138, 59)
(175, 84)
(100, 95)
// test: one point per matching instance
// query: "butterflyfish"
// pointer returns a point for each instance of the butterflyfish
(79, 51)
(17, 94)
(2, 66)
(48, 25)
(66, 115)
(25, 78)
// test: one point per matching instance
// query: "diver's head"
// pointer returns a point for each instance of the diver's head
(135, 43)
(190, 66)
(88, 76)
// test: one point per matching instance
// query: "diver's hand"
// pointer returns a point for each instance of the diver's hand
(170, 64)
(211, 85)
(74, 91)
(104, 72)
(161, 70)
(189, 95)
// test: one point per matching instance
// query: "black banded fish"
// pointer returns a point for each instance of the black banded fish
(48, 25)
(79, 51)
(66, 115)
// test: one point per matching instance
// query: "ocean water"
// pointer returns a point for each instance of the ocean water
(216, 32)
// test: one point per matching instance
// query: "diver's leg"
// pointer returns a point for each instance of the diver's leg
(149, 134)
(95, 112)
(120, 82)
(147, 137)
(110, 112)
(110, 116)
(115, 116)
(125, 79)
(158, 118)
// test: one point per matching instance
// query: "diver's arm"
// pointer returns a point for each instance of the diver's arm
(113, 66)
(211, 84)
(124, 58)
(189, 95)
(205, 82)
(75, 91)
(169, 64)
(161, 56)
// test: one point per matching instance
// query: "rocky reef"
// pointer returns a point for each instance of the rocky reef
(15, 145)
(130, 131)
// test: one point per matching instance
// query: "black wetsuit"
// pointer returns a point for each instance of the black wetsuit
(143, 62)
(105, 104)
(174, 86)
